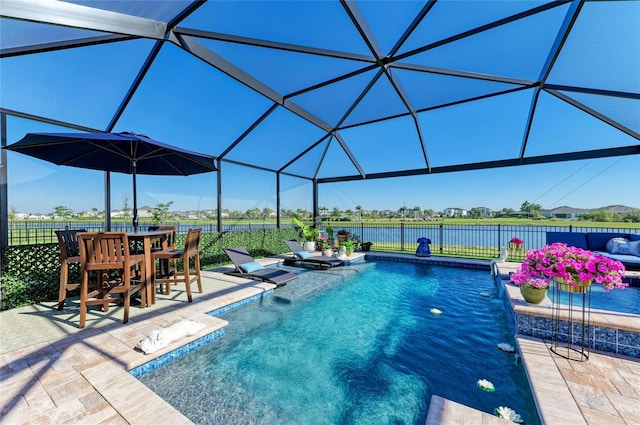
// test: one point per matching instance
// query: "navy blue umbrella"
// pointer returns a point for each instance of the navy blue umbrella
(128, 153)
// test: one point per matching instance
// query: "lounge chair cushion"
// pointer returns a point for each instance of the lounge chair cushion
(251, 267)
(304, 254)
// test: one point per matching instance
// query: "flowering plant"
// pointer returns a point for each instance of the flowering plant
(559, 261)
(321, 242)
(533, 282)
(516, 241)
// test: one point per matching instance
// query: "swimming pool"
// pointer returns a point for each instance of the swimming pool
(354, 345)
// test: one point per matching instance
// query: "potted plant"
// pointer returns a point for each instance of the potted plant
(343, 235)
(329, 231)
(348, 247)
(366, 246)
(323, 245)
(534, 291)
(572, 267)
(308, 233)
(516, 244)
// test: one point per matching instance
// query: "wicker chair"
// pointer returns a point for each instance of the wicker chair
(107, 255)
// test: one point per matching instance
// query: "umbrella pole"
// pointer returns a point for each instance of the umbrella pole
(135, 200)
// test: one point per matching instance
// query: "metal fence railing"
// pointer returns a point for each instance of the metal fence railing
(473, 241)
(29, 232)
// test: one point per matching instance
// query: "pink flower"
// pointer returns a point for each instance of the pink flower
(516, 241)
(573, 264)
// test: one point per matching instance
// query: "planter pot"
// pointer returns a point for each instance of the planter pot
(580, 287)
(327, 252)
(533, 295)
(348, 252)
(310, 246)
(365, 246)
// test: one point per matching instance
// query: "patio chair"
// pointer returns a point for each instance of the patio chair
(191, 250)
(301, 256)
(168, 243)
(247, 267)
(69, 254)
(107, 255)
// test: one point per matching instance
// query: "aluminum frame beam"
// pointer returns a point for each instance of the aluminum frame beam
(84, 17)
(512, 162)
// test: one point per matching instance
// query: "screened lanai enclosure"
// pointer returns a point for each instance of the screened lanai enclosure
(291, 97)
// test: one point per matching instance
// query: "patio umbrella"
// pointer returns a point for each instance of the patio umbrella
(128, 153)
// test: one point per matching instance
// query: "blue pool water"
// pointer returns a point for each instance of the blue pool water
(626, 300)
(353, 345)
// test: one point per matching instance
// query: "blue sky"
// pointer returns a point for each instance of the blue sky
(200, 109)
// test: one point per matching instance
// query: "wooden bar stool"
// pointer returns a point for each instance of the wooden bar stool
(108, 255)
(191, 250)
(69, 254)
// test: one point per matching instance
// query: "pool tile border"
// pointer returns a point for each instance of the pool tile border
(183, 350)
(257, 297)
(177, 353)
(535, 321)
(439, 261)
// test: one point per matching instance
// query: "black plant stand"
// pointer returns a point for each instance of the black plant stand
(571, 322)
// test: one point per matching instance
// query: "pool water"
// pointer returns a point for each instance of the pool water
(354, 345)
(625, 300)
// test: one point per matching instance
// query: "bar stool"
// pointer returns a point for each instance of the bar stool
(69, 254)
(108, 255)
(191, 250)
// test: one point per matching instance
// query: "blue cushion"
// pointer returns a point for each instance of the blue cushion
(627, 260)
(634, 248)
(618, 246)
(251, 267)
(579, 240)
(597, 241)
(634, 236)
(304, 254)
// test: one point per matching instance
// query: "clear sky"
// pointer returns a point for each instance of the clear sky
(200, 109)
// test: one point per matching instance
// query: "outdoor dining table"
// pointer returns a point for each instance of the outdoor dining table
(148, 238)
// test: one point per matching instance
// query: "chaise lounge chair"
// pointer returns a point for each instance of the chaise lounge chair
(301, 256)
(247, 267)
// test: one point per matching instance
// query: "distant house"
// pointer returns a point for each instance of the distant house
(145, 211)
(485, 212)
(567, 213)
(37, 216)
(20, 216)
(455, 212)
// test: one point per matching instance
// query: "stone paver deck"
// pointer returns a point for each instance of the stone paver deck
(53, 372)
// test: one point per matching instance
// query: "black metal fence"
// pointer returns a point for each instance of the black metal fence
(29, 232)
(473, 240)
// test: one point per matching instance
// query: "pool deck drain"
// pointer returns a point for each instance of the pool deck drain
(53, 372)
